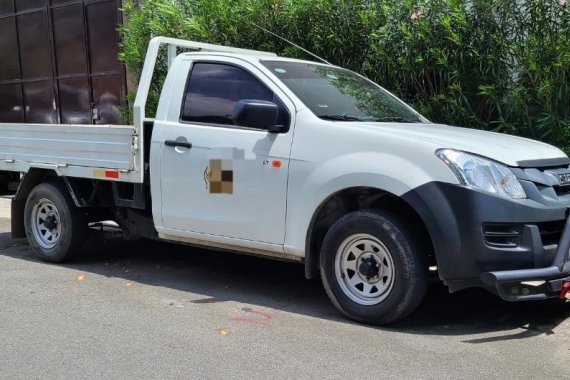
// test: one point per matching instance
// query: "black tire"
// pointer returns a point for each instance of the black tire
(408, 269)
(71, 220)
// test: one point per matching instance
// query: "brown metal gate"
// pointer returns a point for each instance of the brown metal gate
(58, 62)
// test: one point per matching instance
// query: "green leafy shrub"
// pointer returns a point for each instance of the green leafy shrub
(493, 64)
(501, 65)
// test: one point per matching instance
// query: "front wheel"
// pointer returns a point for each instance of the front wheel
(372, 267)
(55, 227)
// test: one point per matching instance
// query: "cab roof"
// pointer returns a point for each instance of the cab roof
(253, 58)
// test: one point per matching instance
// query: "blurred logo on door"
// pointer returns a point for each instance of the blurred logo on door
(219, 176)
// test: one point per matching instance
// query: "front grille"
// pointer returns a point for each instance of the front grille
(551, 232)
(502, 235)
(562, 190)
(543, 184)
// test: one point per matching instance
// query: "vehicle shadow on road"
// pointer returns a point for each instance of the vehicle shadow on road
(281, 286)
(476, 311)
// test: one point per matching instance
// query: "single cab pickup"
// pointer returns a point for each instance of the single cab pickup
(297, 160)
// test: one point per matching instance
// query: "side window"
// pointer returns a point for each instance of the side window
(213, 90)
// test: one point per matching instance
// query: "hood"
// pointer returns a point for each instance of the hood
(497, 146)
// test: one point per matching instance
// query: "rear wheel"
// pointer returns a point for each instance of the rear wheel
(372, 267)
(55, 227)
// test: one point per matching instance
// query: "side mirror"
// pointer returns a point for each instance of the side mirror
(257, 114)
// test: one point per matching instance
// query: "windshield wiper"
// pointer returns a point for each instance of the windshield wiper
(340, 117)
(396, 119)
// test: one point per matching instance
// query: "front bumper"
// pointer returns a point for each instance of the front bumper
(517, 285)
(481, 240)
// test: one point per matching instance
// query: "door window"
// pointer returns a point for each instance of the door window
(213, 90)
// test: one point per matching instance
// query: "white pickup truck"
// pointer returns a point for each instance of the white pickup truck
(298, 160)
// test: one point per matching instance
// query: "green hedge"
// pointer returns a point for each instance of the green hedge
(500, 65)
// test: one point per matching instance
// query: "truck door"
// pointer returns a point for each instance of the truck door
(219, 178)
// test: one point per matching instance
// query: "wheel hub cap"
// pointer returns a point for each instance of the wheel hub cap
(50, 222)
(46, 226)
(364, 269)
(369, 268)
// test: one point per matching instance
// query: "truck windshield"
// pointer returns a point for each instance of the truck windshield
(337, 94)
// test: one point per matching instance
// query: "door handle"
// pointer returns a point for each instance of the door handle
(174, 143)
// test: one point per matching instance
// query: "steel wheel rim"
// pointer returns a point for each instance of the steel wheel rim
(364, 286)
(46, 223)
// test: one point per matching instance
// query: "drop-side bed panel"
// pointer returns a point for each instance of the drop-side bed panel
(81, 146)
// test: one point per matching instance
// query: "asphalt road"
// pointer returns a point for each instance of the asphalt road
(154, 310)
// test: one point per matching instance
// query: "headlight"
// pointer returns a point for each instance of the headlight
(482, 174)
